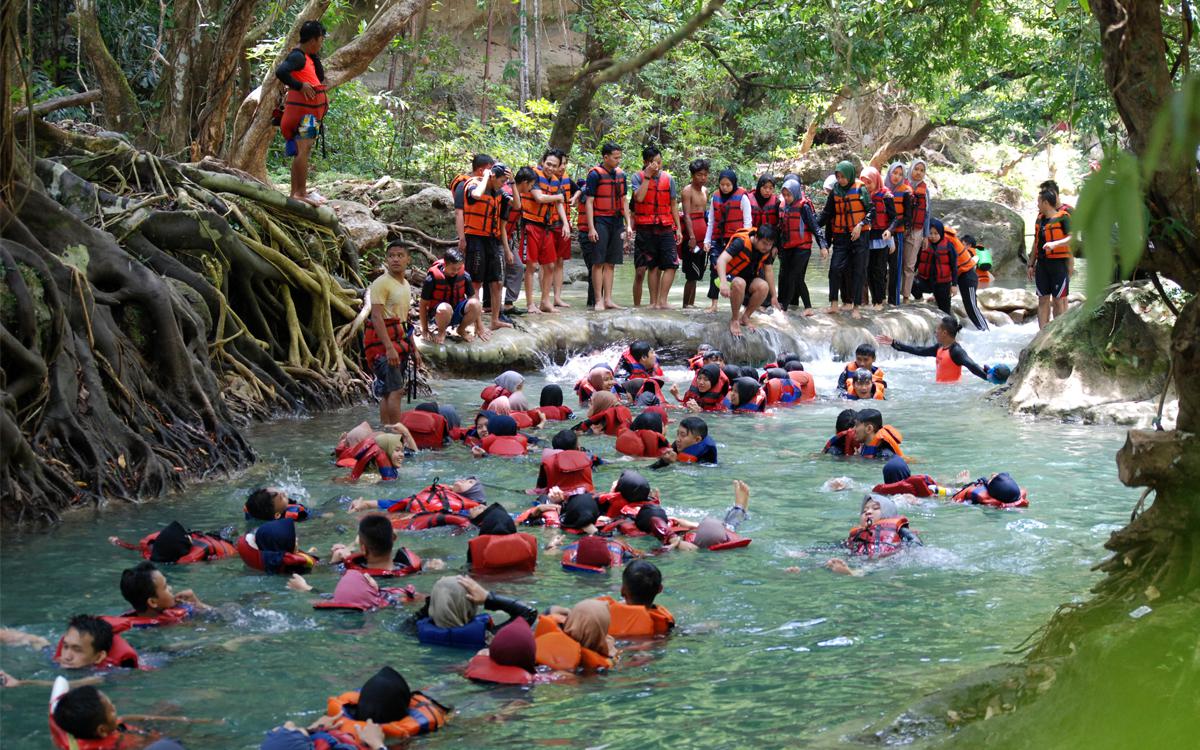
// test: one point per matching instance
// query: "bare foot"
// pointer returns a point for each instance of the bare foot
(854, 313)
(808, 312)
(599, 306)
(741, 494)
(547, 307)
(498, 324)
(880, 306)
(466, 336)
(840, 567)
(735, 328)
(305, 199)
(749, 326)
(316, 198)
(791, 569)
(440, 338)
(484, 333)
(560, 303)
(713, 307)
(535, 310)
(833, 310)
(612, 305)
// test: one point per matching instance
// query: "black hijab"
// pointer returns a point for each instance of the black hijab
(633, 486)
(172, 543)
(552, 395)
(384, 699)
(495, 520)
(580, 511)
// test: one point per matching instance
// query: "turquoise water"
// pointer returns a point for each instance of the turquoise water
(762, 657)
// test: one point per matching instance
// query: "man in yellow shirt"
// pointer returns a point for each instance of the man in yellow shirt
(387, 338)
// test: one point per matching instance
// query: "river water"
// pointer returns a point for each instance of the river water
(762, 657)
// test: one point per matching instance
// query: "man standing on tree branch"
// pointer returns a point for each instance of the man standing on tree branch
(305, 105)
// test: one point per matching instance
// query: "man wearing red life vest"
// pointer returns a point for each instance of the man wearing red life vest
(610, 227)
(656, 221)
(449, 295)
(305, 105)
(387, 337)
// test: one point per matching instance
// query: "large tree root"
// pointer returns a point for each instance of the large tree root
(147, 309)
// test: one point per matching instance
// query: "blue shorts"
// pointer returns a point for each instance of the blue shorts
(459, 310)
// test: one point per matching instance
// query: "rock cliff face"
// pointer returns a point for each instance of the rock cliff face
(1107, 365)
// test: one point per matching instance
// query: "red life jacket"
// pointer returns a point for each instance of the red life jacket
(727, 214)
(766, 213)
(917, 485)
(977, 494)
(779, 391)
(398, 330)
(636, 370)
(482, 668)
(795, 235)
(131, 619)
(448, 290)
(618, 553)
(636, 620)
(570, 470)
(732, 541)
(936, 262)
(492, 553)
(506, 445)
(424, 715)
(125, 738)
(493, 392)
(555, 413)
(549, 517)
(610, 193)
(695, 362)
(365, 453)
(880, 200)
(204, 547)
(741, 260)
(429, 430)
(120, 656)
(613, 419)
(423, 521)
(359, 562)
(655, 209)
(642, 443)
(878, 540)
(845, 440)
(433, 499)
(292, 562)
(920, 205)
(711, 400)
(614, 504)
(523, 419)
(804, 381)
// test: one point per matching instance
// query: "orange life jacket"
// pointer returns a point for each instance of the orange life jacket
(738, 263)
(482, 668)
(459, 180)
(898, 202)
(849, 208)
(727, 214)
(964, 258)
(481, 216)
(636, 620)
(508, 446)
(887, 435)
(947, 370)
(545, 214)
(877, 540)
(1052, 230)
(429, 431)
(423, 521)
(779, 391)
(131, 619)
(495, 553)
(425, 715)
(610, 193)
(398, 330)
(804, 381)
(570, 470)
(977, 493)
(308, 74)
(766, 213)
(936, 262)
(411, 565)
(445, 289)
(614, 419)
(204, 547)
(642, 443)
(557, 650)
(795, 235)
(655, 209)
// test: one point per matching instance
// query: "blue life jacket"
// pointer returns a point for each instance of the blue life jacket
(473, 635)
(704, 452)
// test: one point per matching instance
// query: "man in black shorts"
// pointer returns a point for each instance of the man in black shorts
(484, 230)
(656, 222)
(747, 265)
(1051, 263)
(608, 220)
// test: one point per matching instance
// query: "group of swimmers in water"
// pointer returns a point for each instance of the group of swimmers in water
(512, 642)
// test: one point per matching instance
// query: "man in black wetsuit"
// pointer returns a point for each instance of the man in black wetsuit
(951, 357)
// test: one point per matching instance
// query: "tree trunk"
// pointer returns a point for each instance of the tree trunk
(487, 62)
(901, 143)
(177, 88)
(810, 133)
(523, 79)
(122, 112)
(538, 36)
(221, 77)
(253, 131)
(599, 70)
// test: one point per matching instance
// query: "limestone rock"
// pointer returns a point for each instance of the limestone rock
(997, 227)
(818, 164)
(431, 210)
(1107, 365)
(362, 227)
(575, 330)
(1007, 300)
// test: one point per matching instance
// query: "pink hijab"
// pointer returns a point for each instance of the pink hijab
(355, 591)
(500, 405)
(872, 179)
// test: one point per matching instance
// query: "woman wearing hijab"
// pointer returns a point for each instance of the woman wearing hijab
(936, 268)
(879, 239)
(385, 703)
(451, 616)
(729, 212)
(847, 214)
(513, 383)
(357, 590)
(797, 229)
(510, 659)
(764, 203)
(745, 395)
(272, 548)
(599, 378)
(550, 404)
(707, 391)
(918, 224)
(581, 643)
(897, 182)
(606, 415)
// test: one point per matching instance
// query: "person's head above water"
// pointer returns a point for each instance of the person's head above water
(600, 378)
(514, 646)
(494, 520)
(711, 531)
(691, 431)
(552, 395)
(727, 181)
(632, 486)
(895, 470)
(864, 356)
(863, 384)
(866, 423)
(588, 625)
(172, 543)
(877, 507)
(384, 698)
(376, 536)
(641, 582)
(648, 420)
(267, 503)
(146, 589)
(1004, 488)
(707, 378)
(501, 405)
(86, 643)
(510, 380)
(947, 330)
(580, 511)
(565, 440)
(845, 420)
(744, 391)
(643, 353)
(502, 425)
(602, 401)
(85, 713)
(449, 605)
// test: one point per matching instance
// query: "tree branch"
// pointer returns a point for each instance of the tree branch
(61, 102)
(622, 68)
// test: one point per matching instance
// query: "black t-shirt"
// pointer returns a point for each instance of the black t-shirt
(753, 257)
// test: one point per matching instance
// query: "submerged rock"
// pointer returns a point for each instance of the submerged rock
(997, 227)
(1107, 365)
(539, 338)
